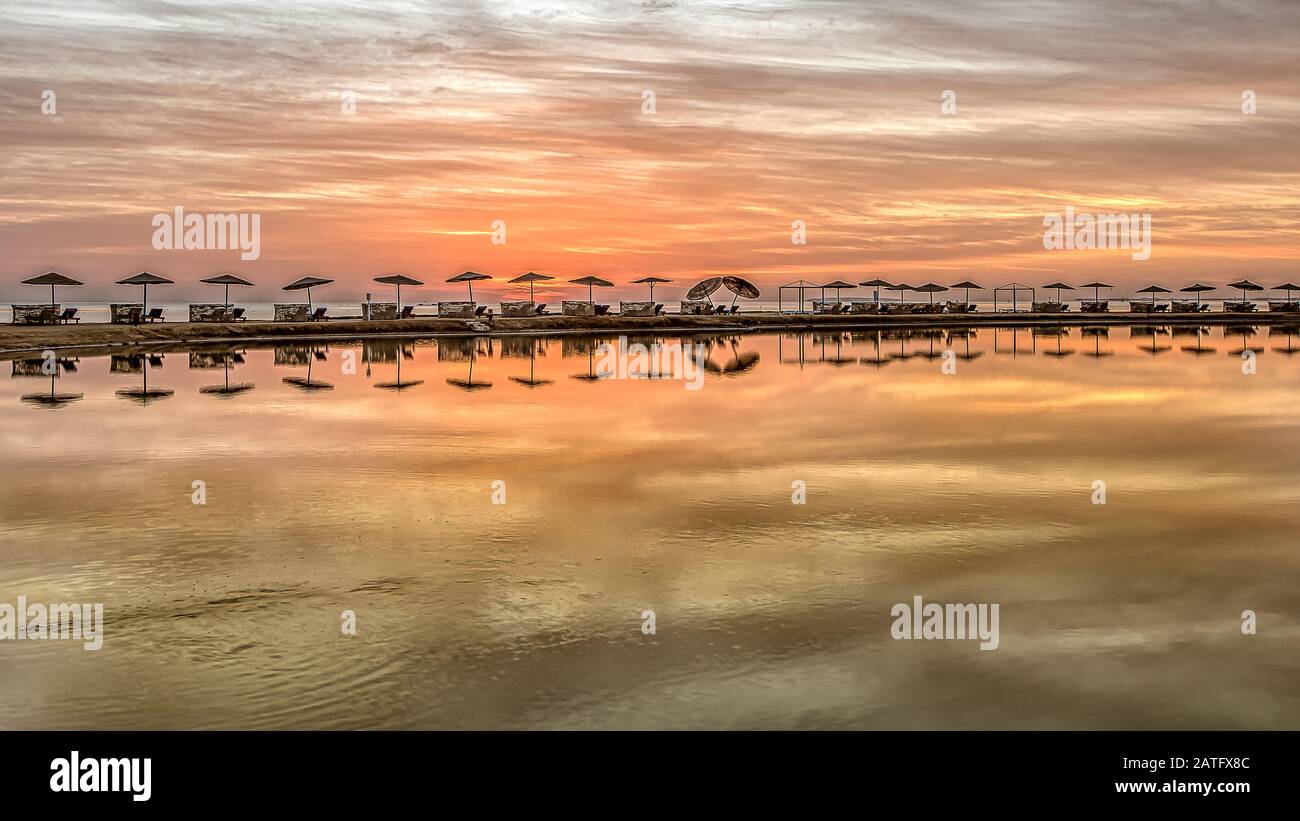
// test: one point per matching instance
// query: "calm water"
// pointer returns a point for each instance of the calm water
(334, 492)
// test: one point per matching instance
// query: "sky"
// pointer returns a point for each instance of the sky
(765, 113)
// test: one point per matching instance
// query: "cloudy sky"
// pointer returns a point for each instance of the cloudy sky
(824, 111)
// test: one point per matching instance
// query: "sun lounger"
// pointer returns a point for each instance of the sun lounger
(602, 310)
(659, 309)
(735, 309)
(1050, 307)
(237, 315)
(959, 307)
(155, 315)
(69, 315)
(480, 310)
(926, 308)
(541, 309)
(1283, 307)
(894, 308)
(407, 312)
(318, 315)
(1238, 306)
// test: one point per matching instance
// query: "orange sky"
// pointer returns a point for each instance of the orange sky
(531, 113)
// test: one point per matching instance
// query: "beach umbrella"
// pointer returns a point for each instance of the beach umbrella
(226, 280)
(1096, 289)
(1198, 349)
(306, 383)
(651, 281)
(1285, 286)
(1152, 331)
(931, 289)
(145, 279)
(590, 281)
(52, 399)
(1058, 287)
(469, 278)
(52, 279)
(1290, 336)
(307, 283)
(1246, 331)
(399, 280)
(966, 285)
(878, 284)
(398, 384)
(469, 384)
(1245, 285)
(532, 381)
(837, 285)
(530, 278)
(704, 289)
(741, 287)
(144, 394)
(1153, 290)
(901, 287)
(1197, 289)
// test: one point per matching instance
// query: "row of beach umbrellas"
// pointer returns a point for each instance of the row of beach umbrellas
(967, 286)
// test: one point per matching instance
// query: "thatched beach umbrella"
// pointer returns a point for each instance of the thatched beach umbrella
(1096, 289)
(837, 285)
(901, 287)
(931, 289)
(651, 281)
(226, 280)
(469, 278)
(878, 284)
(1153, 290)
(1197, 289)
(52, 279)
(966, 285)
(1245, 285)
(704, 288)
(1288, 287)
(741, 287)
(307, 283)
(146, 279)
(399, 280)
(1058, 287)
(531, 277)
(591, 282)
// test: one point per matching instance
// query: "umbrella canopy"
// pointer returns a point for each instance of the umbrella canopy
(704, 288)
(469, 277)
(591, 281)
(52, 279)
(1288, 287)
(145, 279)
(531, 278)
(651, 281)
(741, 287)
(226, 280)
(1197, 289)
(1245, 285)
(1096, 288)
(1153, 290)
(966, 285)
(877, 284)
(901, 287)
(399, 280)
(1058, 287)
(837, 285)
(931, 289)
(307, 283)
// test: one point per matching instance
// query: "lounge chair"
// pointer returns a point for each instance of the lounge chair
(541, 309)
(1283, 306)
(1050, 307)
(735, 309)
(237, 315)
(959, 307)
(659, 309)
(69, 315)
(1238, 306)
(155, 315)
(318, 315)
(480, 310)
(602, 310)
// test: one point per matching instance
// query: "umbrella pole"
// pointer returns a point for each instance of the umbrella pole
(51, 296)
(471, 291)
(399, 310)
(145, 309)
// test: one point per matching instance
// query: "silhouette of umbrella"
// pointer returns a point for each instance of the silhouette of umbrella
(1058, 287)
(877, 284)
(704, 289)
(651, 282)
(52, 399)
(307, 384)
(469, 278)
(1285, 286)
(1245, 285)
(1245, 331)
(146, 279)
(52, 279)
(307, 283)
(931, 289)
(1198, 349)
(532, 381)
(399, 280)
(145, 394)
(901, 287)
(1197, 289)
(225, 388)
(1096, 289)
(741, 287)
(398, 384)
(966, 285)
(837, 285)
(226, 280)
(591, 281)
(1153, 290)
(469, 384)
(530, 278)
